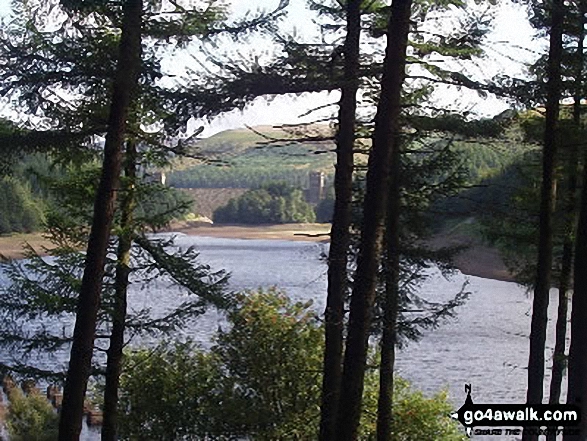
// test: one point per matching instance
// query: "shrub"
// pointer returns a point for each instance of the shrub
(30, 417)
(415, 416)
(272, 361)
(165, 393)
(261, 381)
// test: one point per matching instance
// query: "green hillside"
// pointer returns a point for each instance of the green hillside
(243, 159)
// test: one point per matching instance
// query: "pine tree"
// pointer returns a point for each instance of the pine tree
(577, 385)
(569, 229)
(121, 283)
(341, 224)
(37, 76)
(125, 83)
(544, 266)
(385, 140)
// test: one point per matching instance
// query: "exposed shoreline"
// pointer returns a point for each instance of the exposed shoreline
(478, 260)
(295, 232)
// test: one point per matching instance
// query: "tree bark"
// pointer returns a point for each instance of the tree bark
(547, 198)
(340, 232)
(577, 363)
(577, 390)
(390, 303)
(559, 359)
(125, 82)
(385, 140)
(125, 240)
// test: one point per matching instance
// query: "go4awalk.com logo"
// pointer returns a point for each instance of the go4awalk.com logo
(542, 418)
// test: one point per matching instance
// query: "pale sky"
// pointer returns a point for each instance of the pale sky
(4, 7)
(511, 33)
(509, 46)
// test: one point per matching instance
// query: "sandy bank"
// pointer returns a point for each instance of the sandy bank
(11, 246)
(298, 232)
(478, 260)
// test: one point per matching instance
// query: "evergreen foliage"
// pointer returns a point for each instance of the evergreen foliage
(20, 211)
(430, 172)
(41, 290)
(507, 206)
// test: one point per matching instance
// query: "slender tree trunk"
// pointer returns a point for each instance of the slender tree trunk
(385, 140)
(85, 326)
(390, 303)
(125, 239)
(577, 390)
(559, 359)
(544, 267)
(340, 232)
(577, 364)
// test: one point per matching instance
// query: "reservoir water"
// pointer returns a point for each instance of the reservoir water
(486, 345)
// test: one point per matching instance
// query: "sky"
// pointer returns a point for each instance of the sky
(509, 46)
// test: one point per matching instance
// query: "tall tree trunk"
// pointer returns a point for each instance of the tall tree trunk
(544, 267)
(559, 358)
(385, 140)
(577, 363)
(125, 82)
(125, 239)
(390, 303)
(577, 390)
(341, 221)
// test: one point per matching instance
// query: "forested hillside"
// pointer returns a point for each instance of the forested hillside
(244, 159)
(23, 198)
(491, 178)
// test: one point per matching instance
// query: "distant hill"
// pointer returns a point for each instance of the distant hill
(242, 158)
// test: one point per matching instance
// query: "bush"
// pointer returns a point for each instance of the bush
(261, 381)
(31, 417)
(272, 361)
(165, 393)
(415, 416)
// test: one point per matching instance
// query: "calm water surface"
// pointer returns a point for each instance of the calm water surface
(486, 345)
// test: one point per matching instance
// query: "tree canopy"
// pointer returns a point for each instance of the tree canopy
(275, 203)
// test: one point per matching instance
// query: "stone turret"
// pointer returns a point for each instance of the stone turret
(315, 192)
